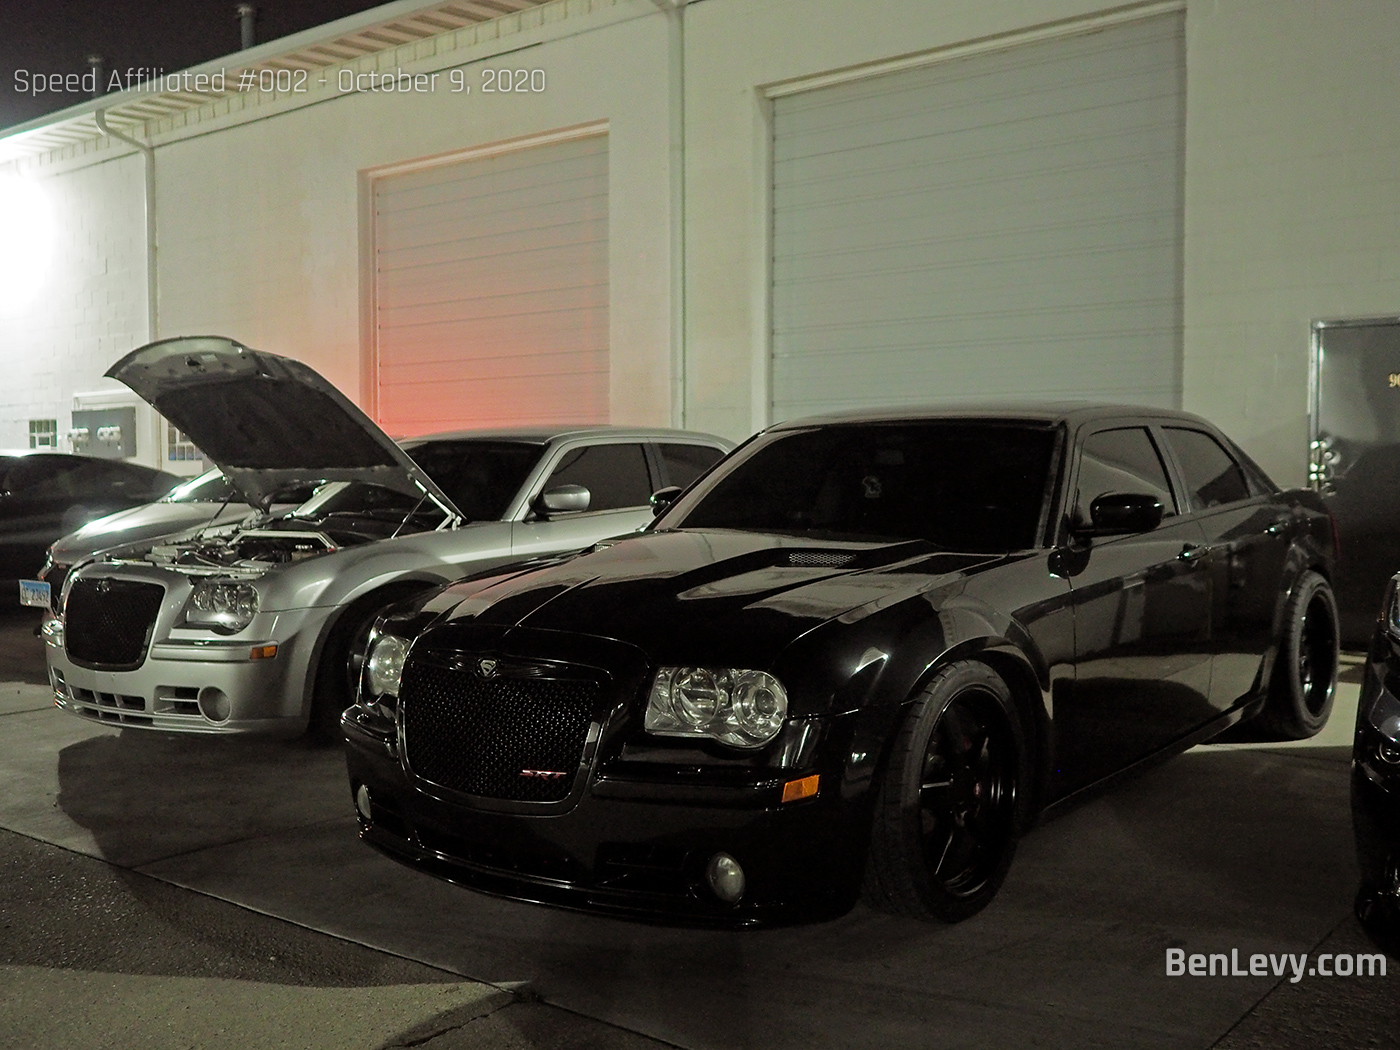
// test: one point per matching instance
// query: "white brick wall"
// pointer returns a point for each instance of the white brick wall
(91, 306)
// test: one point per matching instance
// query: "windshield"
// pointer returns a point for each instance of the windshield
(209, 487)
(480, 477)
(963, 485)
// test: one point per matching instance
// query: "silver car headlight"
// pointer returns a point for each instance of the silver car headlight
(736, 707)
(384, 665)
(222, 605)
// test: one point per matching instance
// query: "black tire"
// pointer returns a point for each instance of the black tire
(1305, 670)
(338, 672)
(946, 820)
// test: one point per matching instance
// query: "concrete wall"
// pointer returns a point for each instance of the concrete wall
(1292, 202)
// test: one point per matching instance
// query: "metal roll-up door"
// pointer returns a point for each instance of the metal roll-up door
(1007, 224)
(491, 290)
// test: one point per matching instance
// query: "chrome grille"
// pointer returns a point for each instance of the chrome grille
(512, 736)
(108, 622)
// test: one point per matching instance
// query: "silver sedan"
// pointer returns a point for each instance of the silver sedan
(256, 627)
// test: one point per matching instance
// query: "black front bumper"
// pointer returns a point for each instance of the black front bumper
(1375, 806)
(628, 847)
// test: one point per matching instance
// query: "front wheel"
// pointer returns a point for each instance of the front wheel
(1305, 670)
(945, 824)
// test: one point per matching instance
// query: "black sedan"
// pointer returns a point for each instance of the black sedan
(45, 495)
(861, 651)
(1375, 781)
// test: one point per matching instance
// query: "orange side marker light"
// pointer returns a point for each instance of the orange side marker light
(795, 790)
(262, 652)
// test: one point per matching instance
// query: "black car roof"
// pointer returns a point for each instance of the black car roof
(1048, 413)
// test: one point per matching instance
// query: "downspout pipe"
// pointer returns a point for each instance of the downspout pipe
(149, 153)
(675, 15)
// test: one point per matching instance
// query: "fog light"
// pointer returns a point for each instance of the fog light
(214, 704)
(726, 878)
(362, 801)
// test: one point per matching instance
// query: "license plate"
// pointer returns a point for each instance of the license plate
(34, 592)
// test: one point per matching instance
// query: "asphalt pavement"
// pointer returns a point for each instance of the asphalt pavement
(160, 891)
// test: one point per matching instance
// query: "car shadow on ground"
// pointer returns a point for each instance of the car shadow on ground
(147, 796)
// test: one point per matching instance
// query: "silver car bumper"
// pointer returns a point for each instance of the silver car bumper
(199, 685)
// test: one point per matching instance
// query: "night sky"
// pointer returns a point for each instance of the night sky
(56, 36)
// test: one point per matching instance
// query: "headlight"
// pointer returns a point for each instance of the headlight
(384, 665)
(1384, 717)
(223, 605)
(735, 707)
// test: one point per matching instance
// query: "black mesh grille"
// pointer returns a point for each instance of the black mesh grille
(820, 559)
(505, 737)
(108, 622)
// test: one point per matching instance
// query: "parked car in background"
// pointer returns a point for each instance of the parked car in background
(208, 499)
(1375, 780)
(255, 626)
(864, 648)
(45, 495)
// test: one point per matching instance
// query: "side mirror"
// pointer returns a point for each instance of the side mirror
(663, 498)
(1123, 513)
(563, 499)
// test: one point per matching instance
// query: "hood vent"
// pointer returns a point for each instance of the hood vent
(820, 559)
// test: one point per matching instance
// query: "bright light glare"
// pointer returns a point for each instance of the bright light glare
(26, 241)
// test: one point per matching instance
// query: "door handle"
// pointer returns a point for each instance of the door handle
(1193, 552)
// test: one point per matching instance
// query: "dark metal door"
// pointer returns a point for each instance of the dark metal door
(1355, 459)
(1142, 607)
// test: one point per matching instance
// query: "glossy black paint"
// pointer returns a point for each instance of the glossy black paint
(45, 495)
(1375, 787)
(1109, 644)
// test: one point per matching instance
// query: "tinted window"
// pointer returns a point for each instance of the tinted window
(685, 463)
(1212, 475)
(77, 478)
(1121, 461)
(42, 477)
(480, 477)
(962, 486)
(615, 475)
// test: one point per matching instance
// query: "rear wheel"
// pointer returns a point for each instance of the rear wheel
(945, 823)
(338, 673)
(1305, 670)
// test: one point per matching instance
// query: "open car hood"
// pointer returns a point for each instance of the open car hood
(267, 421)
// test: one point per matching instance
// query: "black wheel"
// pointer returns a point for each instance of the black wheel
(1305, 670)
(338, 673)
(946, 823)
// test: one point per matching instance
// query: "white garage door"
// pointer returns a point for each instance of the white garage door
(1004, 224)
(491, 290)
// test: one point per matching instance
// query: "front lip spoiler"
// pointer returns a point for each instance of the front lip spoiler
(633, 905)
